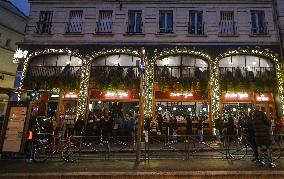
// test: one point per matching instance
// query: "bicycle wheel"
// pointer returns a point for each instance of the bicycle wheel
(70, 153)
(42, 153)
(276, 151)
(237, 148)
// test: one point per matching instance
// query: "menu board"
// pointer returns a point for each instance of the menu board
(15, 128)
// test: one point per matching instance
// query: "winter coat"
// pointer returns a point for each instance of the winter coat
(261, 128)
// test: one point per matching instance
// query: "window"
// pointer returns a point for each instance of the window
(227, 24)
(75, 22)
(166, 22)
(105, 22)
(135, 23)
(8, 43)
(259, 26)
(45, 22)
(195, 25)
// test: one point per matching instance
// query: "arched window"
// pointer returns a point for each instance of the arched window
(180, 66)
(56, 60)
(246, 67)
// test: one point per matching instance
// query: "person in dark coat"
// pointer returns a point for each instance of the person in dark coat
(188, 125)
(230, 129)
(261, 128)
(249, 133)
(79, 126)
(160, 122)
(262, 134)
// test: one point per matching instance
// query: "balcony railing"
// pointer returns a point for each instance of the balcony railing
(104, 27)
(178, 72)
(54, 71)
(228, 28)
(261, 29)
(247, 73)
(196, 29)
(134, 28)
(114, 71)
(74, 27)
(43, 27)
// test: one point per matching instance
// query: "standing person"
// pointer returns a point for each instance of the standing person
(278, 127)
(29, 144)
(218, 130)
(131, 125)
(79, 126)
(248, 131)
(188, 125)
(200, 129)
(262, 134)
(160, 123)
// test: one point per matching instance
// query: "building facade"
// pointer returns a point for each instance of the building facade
(198, 58)
(12, 29)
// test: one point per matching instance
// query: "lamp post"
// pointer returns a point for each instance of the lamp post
(141, 109)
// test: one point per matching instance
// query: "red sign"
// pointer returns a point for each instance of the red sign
(176, 95)
(237, 96)
(95, 94)
(264, 97)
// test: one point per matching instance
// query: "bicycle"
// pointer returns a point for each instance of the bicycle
(46, 148)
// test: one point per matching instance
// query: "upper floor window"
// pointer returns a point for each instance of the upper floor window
(45, 22)
(135, 23)
(166, 22)
(104, 25)
(8, 43)
(74, 25)
(259, 25)
(227, 24)
(195, 24)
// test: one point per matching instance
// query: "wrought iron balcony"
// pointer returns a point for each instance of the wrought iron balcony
(227, 28)
(180, 72)
(247, 73)
(114, 71)
(104, 27)
(194, 29)
(133, 28)
(260, 29)
(54, 71)
(43, 27)
(74, 27)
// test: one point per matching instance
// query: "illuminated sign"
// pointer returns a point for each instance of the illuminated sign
(116, 94)
(236, 95)
(181, 94)
(262, 98)
(71, 95)
(19, 54)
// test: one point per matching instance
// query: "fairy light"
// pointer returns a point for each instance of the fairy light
(215, 92)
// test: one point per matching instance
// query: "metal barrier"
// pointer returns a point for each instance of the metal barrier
(234, 147)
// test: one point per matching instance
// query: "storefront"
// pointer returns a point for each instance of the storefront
(52, 84)
(181, 89)
(247, 82)
(114, 86)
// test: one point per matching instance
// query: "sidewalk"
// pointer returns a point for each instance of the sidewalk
(193, 168)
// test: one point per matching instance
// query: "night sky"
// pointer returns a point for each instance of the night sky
(23, 5)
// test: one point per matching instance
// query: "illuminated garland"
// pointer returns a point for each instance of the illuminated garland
(255, 52)
(85, 75)
(42, 52)
(178, 51)
(149, 84)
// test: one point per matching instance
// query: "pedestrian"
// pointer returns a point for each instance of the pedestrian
(248, 130)
(278, 127)
(188, 125)
(29, 144)
(218, 130)
(79, 126)
(200, 129)
(160, 120)
(263, 135)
